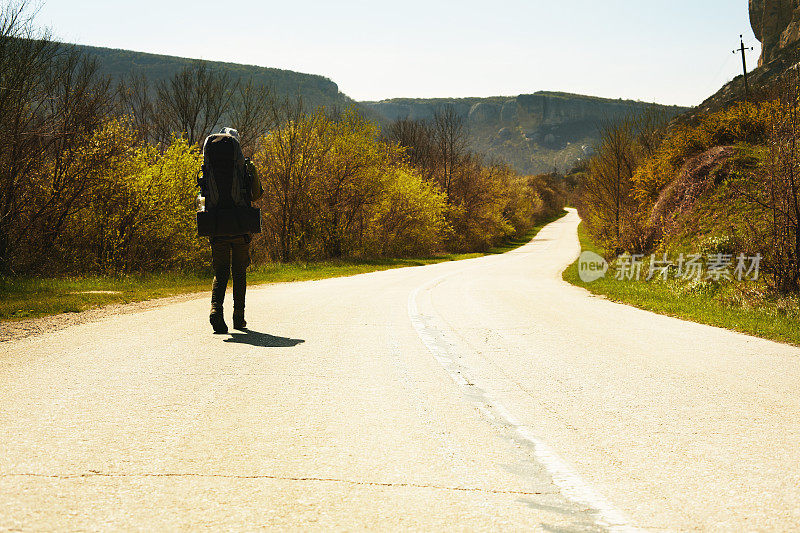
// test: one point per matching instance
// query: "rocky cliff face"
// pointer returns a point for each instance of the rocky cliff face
(776, 23)
(542, 109)
(532, 132)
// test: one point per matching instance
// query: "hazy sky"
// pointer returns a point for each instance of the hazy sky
(672, 51)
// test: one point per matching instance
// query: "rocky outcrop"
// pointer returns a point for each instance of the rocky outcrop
(508, 113)
(546, 109)
(484, 112)
(530, 111)
(680, 196)
(422, 110)
(776, 23)
(764, 82)
(533, 132)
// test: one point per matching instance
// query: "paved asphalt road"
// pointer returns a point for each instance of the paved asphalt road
(479, 395)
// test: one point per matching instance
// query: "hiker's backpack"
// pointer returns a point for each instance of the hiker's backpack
(228, 184)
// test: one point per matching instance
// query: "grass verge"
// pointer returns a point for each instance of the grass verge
(22, 298)
(742, 306)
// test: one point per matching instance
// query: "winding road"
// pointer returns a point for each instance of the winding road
(484, 394)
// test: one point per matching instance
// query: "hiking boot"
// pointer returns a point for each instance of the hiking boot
(218, 322)
(239, 321)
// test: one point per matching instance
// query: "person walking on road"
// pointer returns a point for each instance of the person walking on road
(235, 185)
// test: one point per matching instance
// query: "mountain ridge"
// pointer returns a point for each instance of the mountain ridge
(534, 133)
(119, 63)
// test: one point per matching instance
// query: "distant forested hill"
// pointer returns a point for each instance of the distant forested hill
(316, 90)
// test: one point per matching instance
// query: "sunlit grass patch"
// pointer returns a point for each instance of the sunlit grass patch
(747, 307)
(22, 298)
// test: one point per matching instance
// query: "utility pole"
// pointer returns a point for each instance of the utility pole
(742, 49)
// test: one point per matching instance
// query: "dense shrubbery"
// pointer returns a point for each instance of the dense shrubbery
(141, 216)
(485, 201)
(741, 123)
(102, 178)
(132, 211)
(333, 189)
(728, 184)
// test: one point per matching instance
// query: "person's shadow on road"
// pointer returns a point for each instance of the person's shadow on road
(263, 340)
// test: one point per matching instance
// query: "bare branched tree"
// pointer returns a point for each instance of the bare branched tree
(25, 59)
(774, 191)
(136, 101)
(606, 192)
(650, 126)
(52, 102)
(252, 113)
(416, 136)
(192, 103)
(450, 146)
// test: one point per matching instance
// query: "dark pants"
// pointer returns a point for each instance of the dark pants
(229, 254)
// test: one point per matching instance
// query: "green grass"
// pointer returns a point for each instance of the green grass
(746, 307)
(22, 298)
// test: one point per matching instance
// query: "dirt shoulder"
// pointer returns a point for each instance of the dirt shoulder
(20, 329)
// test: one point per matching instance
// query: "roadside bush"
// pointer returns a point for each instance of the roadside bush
(747, 123)
(333, 189)
(729, 180)
(633, 166)
(477, 201)
(349, 180)
(485, 202)
(409, 219)
(140, 216)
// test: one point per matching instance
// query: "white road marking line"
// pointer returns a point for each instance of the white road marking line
(564, 476)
